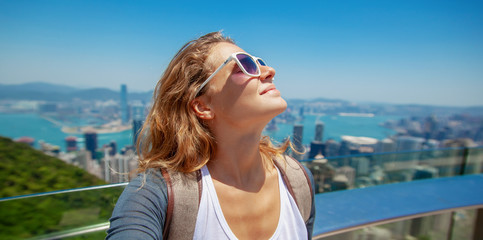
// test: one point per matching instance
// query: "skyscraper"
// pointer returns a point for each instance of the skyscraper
(319, 131)
(332, 148)
(386, 145)
(81, 158)
(91, 142)
(136, 128)
(124, 107)
(297, 140)
(317, 146)
(137, 120)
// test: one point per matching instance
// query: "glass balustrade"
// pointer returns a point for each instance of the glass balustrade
(69, 212)
(364, 170)
(457, 225)
(84, 213)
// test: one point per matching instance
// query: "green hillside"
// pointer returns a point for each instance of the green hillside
(24, 170)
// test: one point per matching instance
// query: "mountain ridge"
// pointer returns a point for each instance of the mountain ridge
(42, 91)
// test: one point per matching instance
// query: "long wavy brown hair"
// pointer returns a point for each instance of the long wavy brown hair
(172, 136)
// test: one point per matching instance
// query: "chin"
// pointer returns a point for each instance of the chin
(279, 107)
(283, 104)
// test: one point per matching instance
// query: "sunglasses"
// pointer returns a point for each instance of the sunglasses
(249, 64)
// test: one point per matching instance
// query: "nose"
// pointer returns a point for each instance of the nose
(266, 73)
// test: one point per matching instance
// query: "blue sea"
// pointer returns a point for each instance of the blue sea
(32, 125)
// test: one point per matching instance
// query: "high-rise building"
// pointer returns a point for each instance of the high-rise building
(136, 128)
(297, 140)
(408, 143)
(91, 142)
(345, 148)
(412, 145)
(332, 148)
(137, 120)
(386, 145)
(71, 143)
(82, 158)
(124, 107)
(113, 148)
(298, 130)
(118, 167)
(319, 131)
(317, 146)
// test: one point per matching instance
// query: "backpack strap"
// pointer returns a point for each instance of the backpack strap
(184, 196)
(298, 183)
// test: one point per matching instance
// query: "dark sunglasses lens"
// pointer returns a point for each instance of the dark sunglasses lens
(261, 62)
(247, 62)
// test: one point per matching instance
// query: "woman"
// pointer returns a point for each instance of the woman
(209, 110)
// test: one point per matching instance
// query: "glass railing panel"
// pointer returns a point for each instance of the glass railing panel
(57, 212)
(356, 171)
(474, 164)
(408, 166)
(455, 225)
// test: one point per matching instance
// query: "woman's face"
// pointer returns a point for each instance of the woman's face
(237, 98)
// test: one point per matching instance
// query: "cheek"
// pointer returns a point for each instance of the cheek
(239, 80)
(235, 91)
(238, 86)
(236, 96)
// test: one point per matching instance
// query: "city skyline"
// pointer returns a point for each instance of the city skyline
(404, 52)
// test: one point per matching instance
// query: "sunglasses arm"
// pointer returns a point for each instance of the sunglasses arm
(212, 75)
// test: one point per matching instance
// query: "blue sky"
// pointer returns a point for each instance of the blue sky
(423, 52)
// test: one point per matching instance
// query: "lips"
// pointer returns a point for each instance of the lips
(269, 88)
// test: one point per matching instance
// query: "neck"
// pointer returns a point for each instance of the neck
(238, 161)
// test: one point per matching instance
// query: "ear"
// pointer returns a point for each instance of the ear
(202, 109)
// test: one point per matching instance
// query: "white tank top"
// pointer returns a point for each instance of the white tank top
(211, 224)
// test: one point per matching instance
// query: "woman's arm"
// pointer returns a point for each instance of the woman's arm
(140, 211)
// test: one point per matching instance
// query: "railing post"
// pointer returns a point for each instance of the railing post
(451, 226)
(464, 161)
